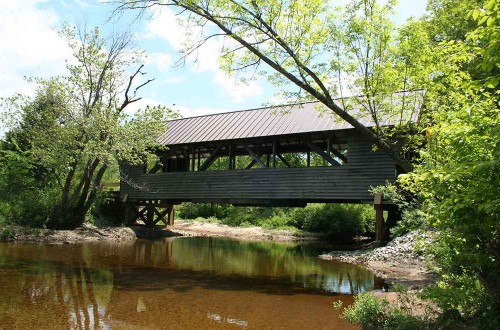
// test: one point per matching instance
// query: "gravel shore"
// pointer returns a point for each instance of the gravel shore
(400, 261)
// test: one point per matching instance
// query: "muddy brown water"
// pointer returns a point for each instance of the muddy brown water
(174, 283)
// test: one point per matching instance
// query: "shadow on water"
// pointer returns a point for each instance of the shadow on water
(94, 284)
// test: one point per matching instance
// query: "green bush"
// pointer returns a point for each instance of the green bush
(370, 312)
(202, 210)
(5, 234)
(26, 194)
(106, 210)
(250, 216)
(412, 214)
(29, 208)
(338, 220)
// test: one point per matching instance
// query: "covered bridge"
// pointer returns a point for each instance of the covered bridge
(274, 156)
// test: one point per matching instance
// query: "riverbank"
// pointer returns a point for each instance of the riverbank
(200, 228)
(400, 261)
(91, 233)
(86, 233)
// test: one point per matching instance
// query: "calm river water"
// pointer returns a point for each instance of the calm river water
(176, 283)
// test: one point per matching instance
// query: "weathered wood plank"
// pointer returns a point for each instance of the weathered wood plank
(313, 183)
(349, 182)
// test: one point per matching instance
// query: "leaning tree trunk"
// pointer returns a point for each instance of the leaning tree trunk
(88, 198)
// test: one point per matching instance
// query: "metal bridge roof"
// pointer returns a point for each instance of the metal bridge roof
(305, 117)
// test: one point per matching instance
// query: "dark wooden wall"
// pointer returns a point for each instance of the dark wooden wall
(347, 183)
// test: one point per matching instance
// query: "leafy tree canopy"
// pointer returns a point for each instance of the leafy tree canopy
(76, 126)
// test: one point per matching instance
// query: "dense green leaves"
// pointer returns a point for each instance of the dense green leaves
(459, 174)
(75, 127)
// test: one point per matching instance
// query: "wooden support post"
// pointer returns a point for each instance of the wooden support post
(213, 156)
(160, 216)
(193, 158)
(275, 151)
(379, 217)
(230, 157)
(163, 160)
(339, 155)
(140, 214)
(171, 214)
(128, 214)
(308, 158)
(328, 147)
(393, 216)
(251, 164)
(323, 154)
(150, 215)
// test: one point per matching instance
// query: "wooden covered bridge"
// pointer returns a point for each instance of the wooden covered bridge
(275, 156)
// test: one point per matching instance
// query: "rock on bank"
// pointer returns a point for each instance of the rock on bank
(400, 261)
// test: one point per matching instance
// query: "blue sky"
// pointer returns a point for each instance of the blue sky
(30, 46)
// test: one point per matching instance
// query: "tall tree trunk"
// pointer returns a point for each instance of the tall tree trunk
(87, 179)
(84, 208)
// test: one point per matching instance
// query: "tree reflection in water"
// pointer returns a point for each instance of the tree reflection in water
(58, 290)
(107, 285)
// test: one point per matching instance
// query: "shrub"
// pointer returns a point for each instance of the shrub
(370, 312)
(6, 234)
(412, 215)
(202, 210)
(106, 210)
(338, 220)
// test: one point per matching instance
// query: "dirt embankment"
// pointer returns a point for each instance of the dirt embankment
(91, 233)
(86, 233)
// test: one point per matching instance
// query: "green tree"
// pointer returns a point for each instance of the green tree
(75, 126)
(449, 19)
(323, 50)
(459, 175)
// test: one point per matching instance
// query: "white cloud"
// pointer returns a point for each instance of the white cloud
(235, 90)
(165, 25)
(174, 80)
(162, 61)
(82, 4)
(29, 46)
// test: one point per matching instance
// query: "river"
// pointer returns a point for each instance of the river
(174, 283)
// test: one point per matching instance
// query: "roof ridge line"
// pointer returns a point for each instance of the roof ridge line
(283, 105)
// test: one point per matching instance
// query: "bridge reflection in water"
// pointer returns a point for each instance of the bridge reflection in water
(174, 283)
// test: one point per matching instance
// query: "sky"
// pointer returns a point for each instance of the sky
(31, 47)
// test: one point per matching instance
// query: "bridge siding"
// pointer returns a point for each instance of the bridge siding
(350, 182)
